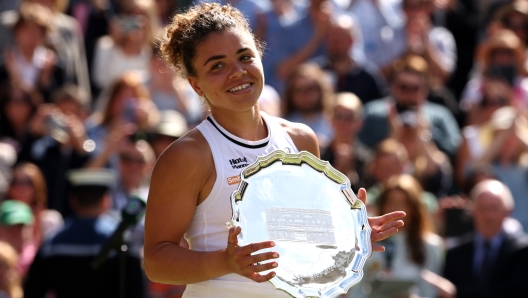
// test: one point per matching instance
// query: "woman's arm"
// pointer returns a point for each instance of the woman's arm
(182, 178)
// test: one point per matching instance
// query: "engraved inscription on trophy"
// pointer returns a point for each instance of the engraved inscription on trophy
(300, 225)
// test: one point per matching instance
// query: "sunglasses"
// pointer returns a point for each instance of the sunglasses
(514, 26)
(306, 89)
(344, 117)
(493, 102)
(21, 182)
(408, 88)
(130, 159)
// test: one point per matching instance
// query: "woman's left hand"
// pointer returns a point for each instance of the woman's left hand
(382, 226)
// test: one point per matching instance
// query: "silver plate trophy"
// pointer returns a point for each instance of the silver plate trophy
(307, 207)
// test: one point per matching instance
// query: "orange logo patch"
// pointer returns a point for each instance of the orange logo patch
(233, 180)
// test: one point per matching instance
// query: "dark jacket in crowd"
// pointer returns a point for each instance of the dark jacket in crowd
(507, 277)
(63, 264)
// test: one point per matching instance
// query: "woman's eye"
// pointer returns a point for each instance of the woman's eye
(217, 66)
(246, 57)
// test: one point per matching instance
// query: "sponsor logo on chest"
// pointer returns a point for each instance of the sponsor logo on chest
(238, 163)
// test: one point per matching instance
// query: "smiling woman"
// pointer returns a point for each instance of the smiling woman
(189, 198)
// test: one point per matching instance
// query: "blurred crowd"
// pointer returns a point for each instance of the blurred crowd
(422, 102)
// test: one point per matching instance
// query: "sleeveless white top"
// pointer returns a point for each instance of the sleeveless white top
(207, 230)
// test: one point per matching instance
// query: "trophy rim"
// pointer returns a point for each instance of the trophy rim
(298, 159)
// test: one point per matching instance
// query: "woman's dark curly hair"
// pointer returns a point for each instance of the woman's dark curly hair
(190, 28)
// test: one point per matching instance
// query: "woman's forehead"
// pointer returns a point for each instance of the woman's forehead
(223, 43)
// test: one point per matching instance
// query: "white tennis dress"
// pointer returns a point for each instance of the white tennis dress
(207, 230)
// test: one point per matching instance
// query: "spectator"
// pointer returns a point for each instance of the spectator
(349, 75)
(382, 26)
(127, 109)
(66, 39)
(28, 186)
(172, 126)
(345, 152)
(57, 143)
(513, 16)
(128, 46)
(8, 158)
(497, 93)
(415, 248)
(168, 91)
(10, 284)
(28, 63)
(502, 56)
(16, 220)
(17, 108)
(74, 247)
(490, 262)
(506, 152)
(307, 98)
(408, 85)
(391, 159)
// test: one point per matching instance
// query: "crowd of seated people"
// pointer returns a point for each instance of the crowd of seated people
(423, 103)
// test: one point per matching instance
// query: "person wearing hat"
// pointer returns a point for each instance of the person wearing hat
(512, 16)
(172, 126)
(501, 56)
(16, 220)
(64, 262)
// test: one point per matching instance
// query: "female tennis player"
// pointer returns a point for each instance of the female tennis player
(193, 179)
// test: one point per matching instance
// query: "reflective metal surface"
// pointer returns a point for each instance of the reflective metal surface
(319, 226)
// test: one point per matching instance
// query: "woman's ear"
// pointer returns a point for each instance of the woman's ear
(194, 84)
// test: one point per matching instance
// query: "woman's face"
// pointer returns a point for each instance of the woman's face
(18, 109)
(22, 189)
(228, 71)
(306, 94)
(29, 35)
(124, 95)
(345, 122)
(397, 201)
(517, 23)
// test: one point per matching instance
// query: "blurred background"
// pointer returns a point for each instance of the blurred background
(421, 102)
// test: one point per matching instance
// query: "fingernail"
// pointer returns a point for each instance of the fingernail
(273, 274)
(272, 244)
(274, 265)
(275, 255)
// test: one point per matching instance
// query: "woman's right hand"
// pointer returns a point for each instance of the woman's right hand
(240, 259)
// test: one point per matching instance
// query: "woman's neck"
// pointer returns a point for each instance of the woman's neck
(131, 49)
(27, 53)
(247, 125)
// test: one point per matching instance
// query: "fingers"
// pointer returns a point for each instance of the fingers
(381, 220)
(232, 238)
(382, 235)
(362, 195)
(378, 248)
(262, 278)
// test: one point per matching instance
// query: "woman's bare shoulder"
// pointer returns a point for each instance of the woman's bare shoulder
(302, 135)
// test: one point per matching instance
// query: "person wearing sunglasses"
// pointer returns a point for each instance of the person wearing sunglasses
(409, 90)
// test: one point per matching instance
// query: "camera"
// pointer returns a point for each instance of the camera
(58, 128)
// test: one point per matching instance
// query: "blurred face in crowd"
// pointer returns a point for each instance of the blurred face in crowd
(134, 165)
(306, 95)
(502, 56)
(386, 166)
(48, 3)
(29, 35)
(415, 8)
(489, 211)
(339, 42)
(18, 108)
(518, 23)
(22, 189)
(497, 94)
(71, 107)
(511, 148)
(345, 121)
(397, 200)
(121, 99)
(408, 89)
(16, 235)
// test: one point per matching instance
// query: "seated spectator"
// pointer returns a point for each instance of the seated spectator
(127, 109)
(391, 159)
(168, 91)
(345, 152)
(172, 126)
(430, 166)
(497, 93)
(512, 16)
(28, 63)
(408, 86)
(127, 47)
(10, 281)
(307, 100)
(17, 108)
(63, 264)
(28, 186)
(414, 248)
(489, 262)
(66, 39)
(348, 75)
(8, 158)
(507, 153)
(16, 223)
(57, 142)
(501, 55)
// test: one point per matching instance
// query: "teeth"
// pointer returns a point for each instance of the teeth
(239, 88)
